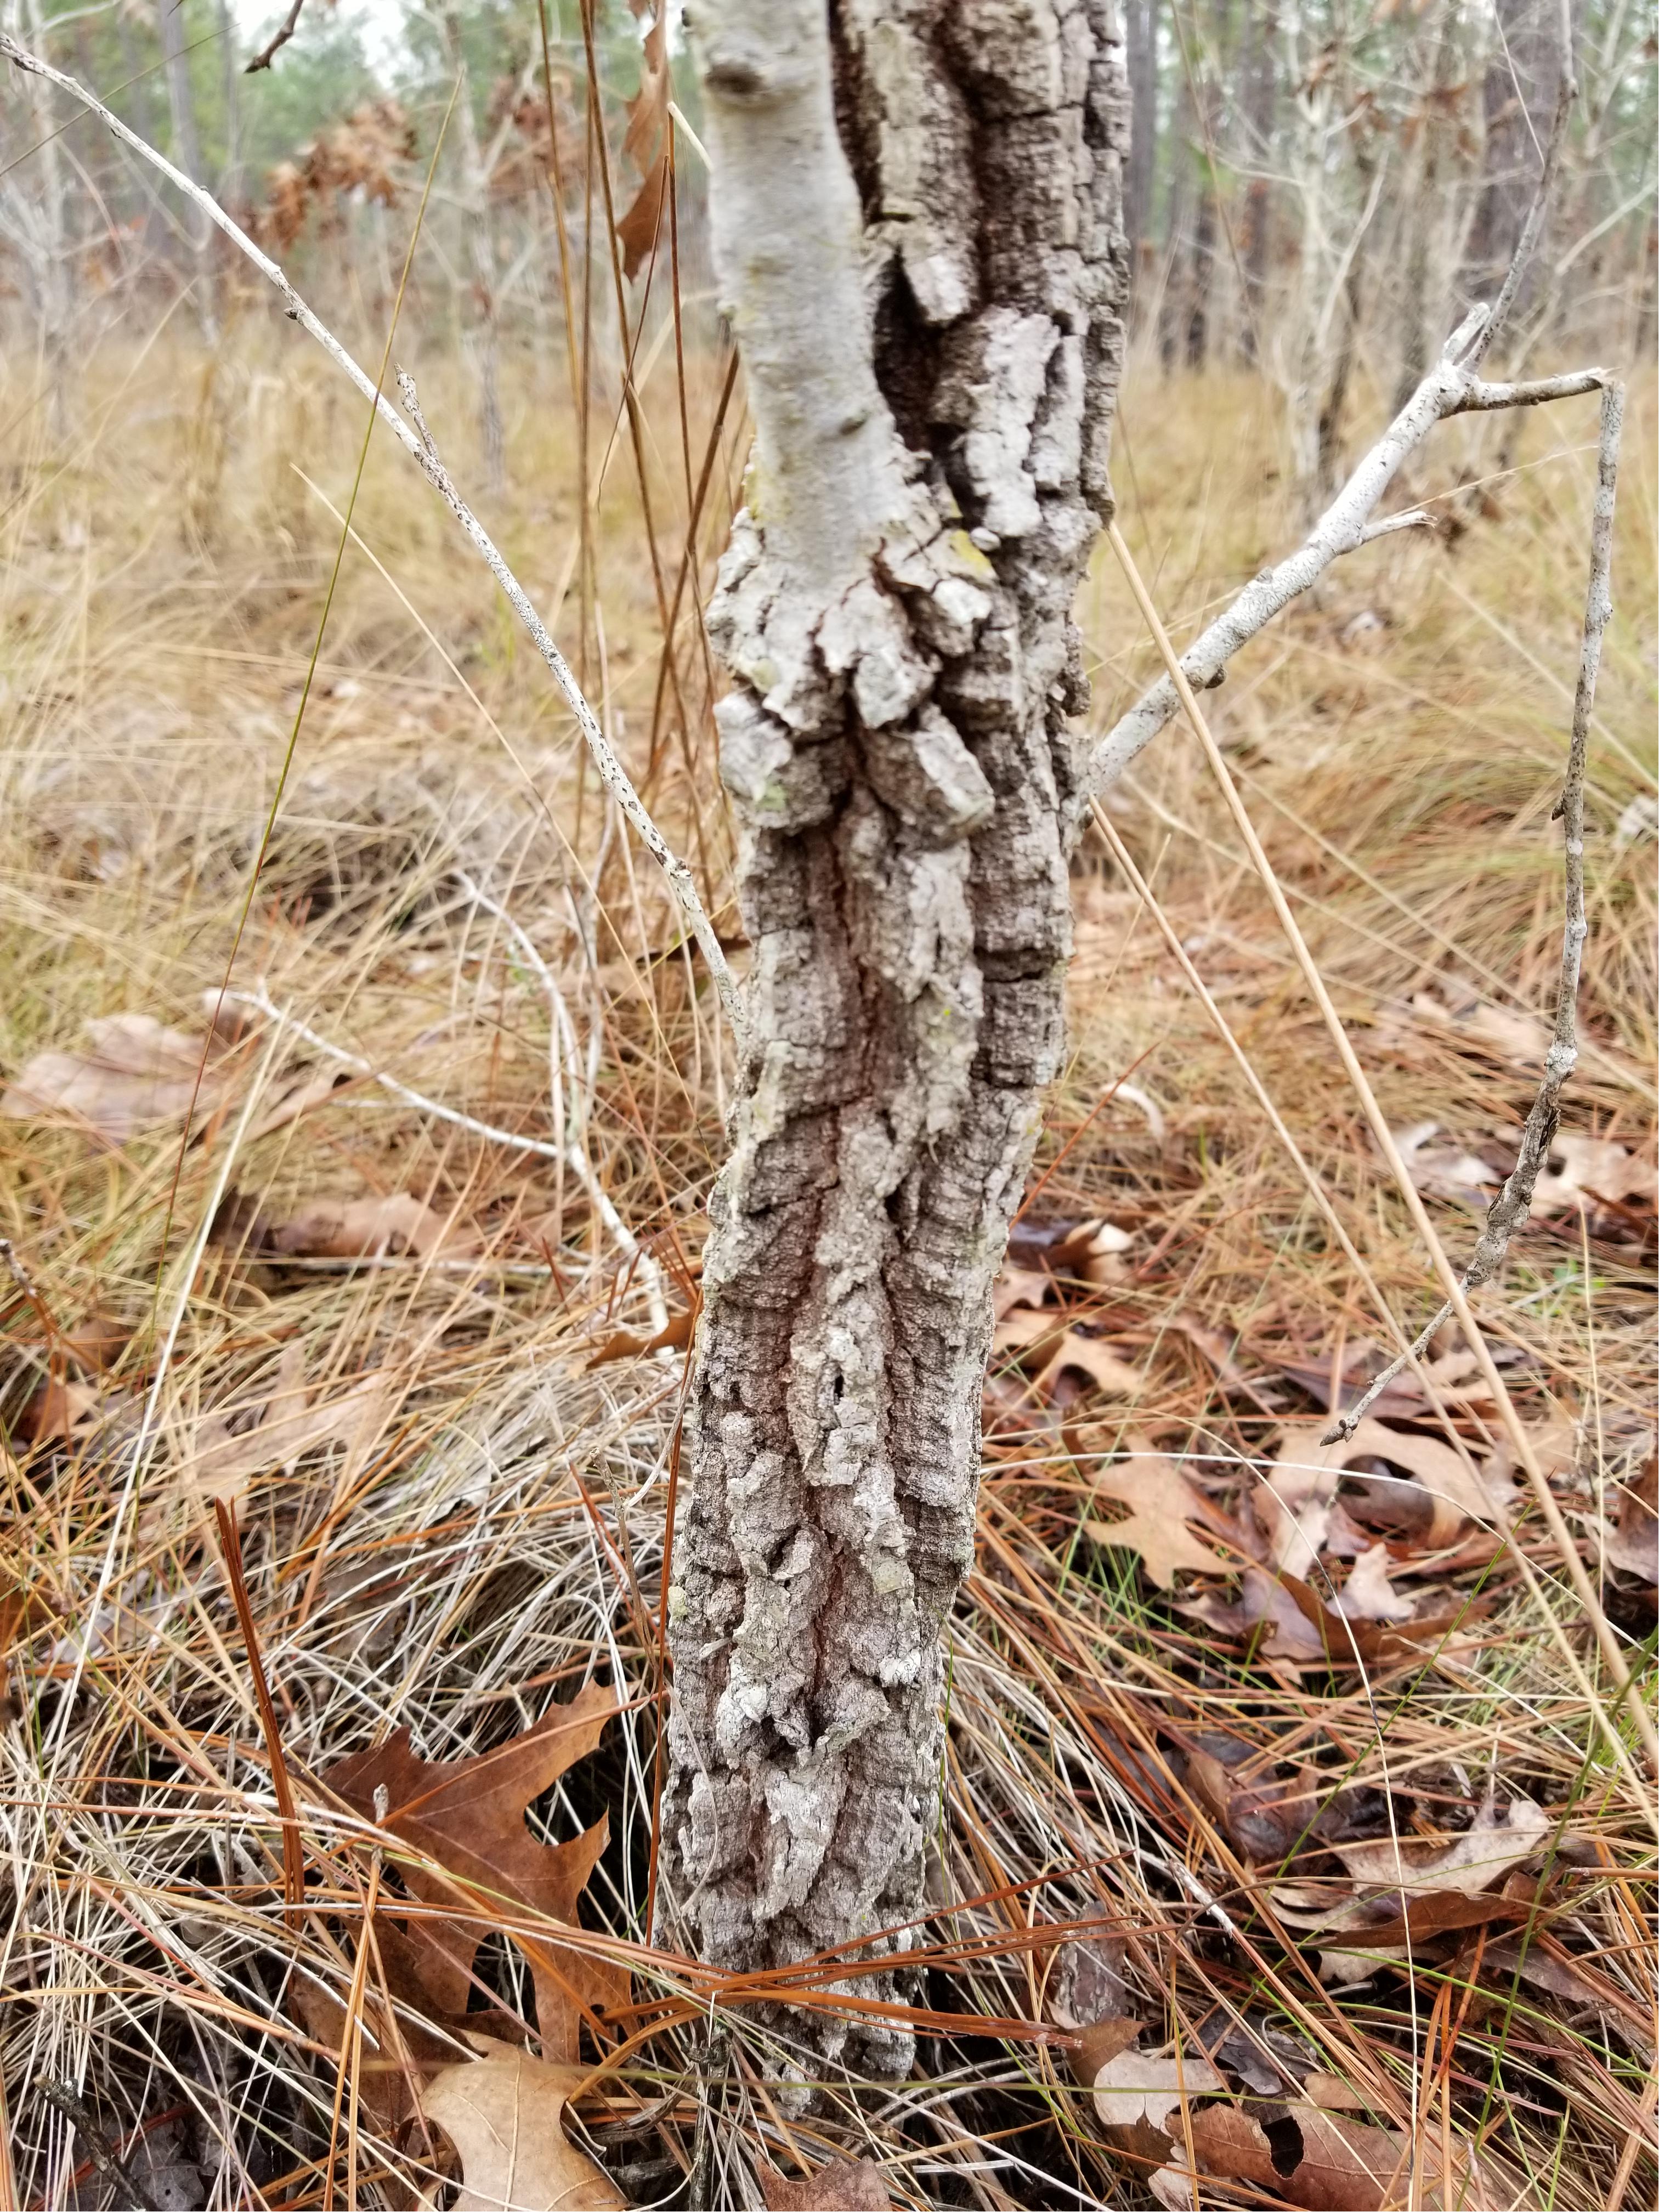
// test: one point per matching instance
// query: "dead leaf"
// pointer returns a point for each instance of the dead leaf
(1100, 2042)
(370, 1229)
(1632, 1543)
(1368, 1595)
(132, 1074)
(1092, 1253)
(1047, 1333)
(1302, 1630)
(1580, 1169)
(1139, 2085)
(1161, 1501)
(845, 2185)
(1017, 1287)
(216, 1460)
(1269, 1818)
(676, 1333)
(637, 229)
(55, 1411)
(1320, 2160)
(1446, 1170)
(1263, 1603)
(1518, 1040)
(1314, 2158)
(646, 142)
(503, 2113)
(468, 1816)
(1468, 1865)
(1292, 1506)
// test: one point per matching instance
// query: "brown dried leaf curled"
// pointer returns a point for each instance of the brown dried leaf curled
(131, 1075)
(370, 1229)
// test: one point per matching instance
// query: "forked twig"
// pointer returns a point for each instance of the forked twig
(421, 450)
(1452, 387)
(1514, 1202)
(278, 39)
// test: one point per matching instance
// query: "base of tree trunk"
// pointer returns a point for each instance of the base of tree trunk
(917, 227)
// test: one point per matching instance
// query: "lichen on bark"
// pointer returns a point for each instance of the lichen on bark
(916, 207)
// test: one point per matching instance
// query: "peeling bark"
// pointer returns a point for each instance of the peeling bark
(917, 227)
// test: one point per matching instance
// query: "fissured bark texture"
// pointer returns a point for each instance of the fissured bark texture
(917, 215)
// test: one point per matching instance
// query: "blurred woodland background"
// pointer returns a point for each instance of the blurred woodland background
(363, 1095)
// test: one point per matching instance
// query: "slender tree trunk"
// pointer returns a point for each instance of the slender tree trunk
(40, 209)
(917, 228)
(479, 325)
(1261, 105)
(230, 180)
(1202, 273)
(1140, 171)
(1517, 97)
(187, 153)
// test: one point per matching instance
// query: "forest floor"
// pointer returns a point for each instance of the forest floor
(1289, 1836)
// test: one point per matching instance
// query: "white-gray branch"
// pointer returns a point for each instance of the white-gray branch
(1451, 387)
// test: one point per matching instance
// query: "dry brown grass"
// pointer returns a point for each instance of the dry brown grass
(487, 1531)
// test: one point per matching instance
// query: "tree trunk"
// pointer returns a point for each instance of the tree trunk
(916, 218)
(1202, 273)
(480, 338)
(187, 153)
(1260, 106)
(1141, 171)
(1518, 97)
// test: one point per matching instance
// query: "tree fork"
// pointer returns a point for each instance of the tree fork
(916, 209)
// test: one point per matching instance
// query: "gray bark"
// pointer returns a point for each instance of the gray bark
(1141, 171)
(482, 335)
(917, 227)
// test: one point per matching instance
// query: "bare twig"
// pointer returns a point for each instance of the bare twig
(279, 39)
(421, 450)
(562, 1042)
(1514, 1202)
(111, 2166)
(1450, 388)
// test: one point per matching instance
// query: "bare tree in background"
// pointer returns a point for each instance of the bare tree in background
(481, 338)
(918, 228)
(1140, 171)
(33, 218)
(187, 151)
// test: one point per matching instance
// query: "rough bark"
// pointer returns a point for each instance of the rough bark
(917, 225)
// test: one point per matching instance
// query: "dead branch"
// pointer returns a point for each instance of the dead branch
(422, 451)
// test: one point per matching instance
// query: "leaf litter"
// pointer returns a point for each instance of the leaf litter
(1123, 1771)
